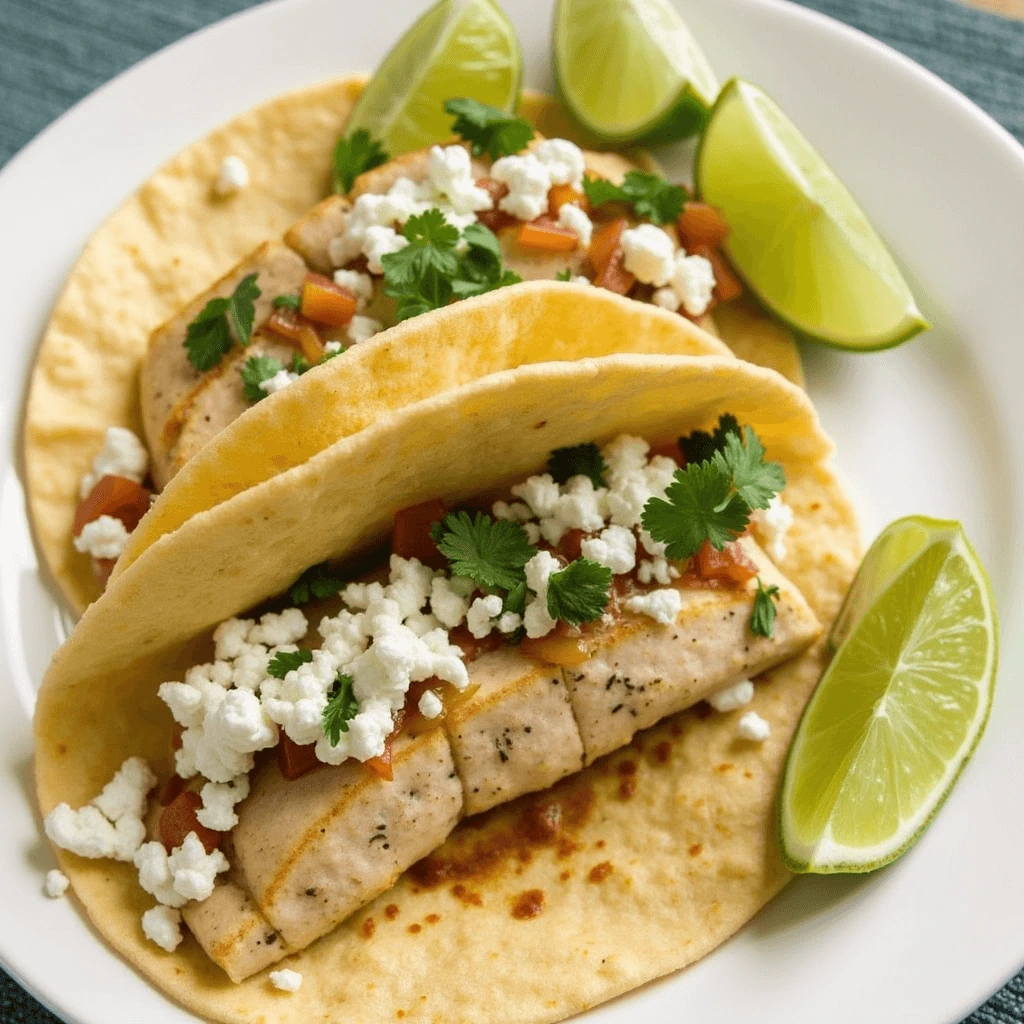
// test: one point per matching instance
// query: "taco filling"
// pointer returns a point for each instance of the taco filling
(506, 644)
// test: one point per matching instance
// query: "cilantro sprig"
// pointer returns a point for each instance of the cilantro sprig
(428, 272)
(210, 336)
(650, 195)
(318, 581)
(713, 500)
(287, 661)
(342, 707)
(491, 552)
(579, 593)
(487, 129)
(700, 445)
(579, 460)
(762, 618)
(255, 370)
(354, 155)
(289, 300)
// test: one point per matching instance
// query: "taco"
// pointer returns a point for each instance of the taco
(542, 680)
(184, 228)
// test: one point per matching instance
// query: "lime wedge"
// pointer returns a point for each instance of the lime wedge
(457, 48)
(630, 69)
(900, 709)
(799, 239)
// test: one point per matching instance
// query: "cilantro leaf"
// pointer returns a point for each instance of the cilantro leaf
(341, 708)
(480, 268)
(487, 129)
(564, 275)
(650, 195)
(287, 661)
(490, 552)
(515, 599)
(755, 480)
(762, 618)
(579, 593)
(287, 302)
(300, 364)
(420, 276)
(318, 581)
(254, 371)
(701, 505)
(353, 155)
(580, 460)
(701, 446)
(209, 337)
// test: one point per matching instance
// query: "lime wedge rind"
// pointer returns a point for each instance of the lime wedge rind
(824, 854)
(800, 241)
(631, 70)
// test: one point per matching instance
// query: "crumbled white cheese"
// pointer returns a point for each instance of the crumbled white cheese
(162, 925)
(540, 493)
(450, 172)
(693, 282)
(122, 454)
(232, 176)
(571, 217)
(362, 328)
(657, 570)
(447, 603)
(430, 704)
(579, 279)
(614, 547)
(481, 615)
(219, 800)
(85, 831)
(125, 794)
(277, 628)
(564, 161)
(528, 180)
(378, 242)
(188, 872)
(666, 298)
(661, 605)
(358, 283)
(648, 254)
(278, 382)
(772, 524)
(333, 348)
(733, 697)
(753, 727)
(56, 884)
(516, 512)
(579, 507)
(539, 569)
(509, 622)
(104, 537)
(286, 980)
(532, 533)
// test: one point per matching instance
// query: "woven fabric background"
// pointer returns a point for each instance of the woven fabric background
(54, 52)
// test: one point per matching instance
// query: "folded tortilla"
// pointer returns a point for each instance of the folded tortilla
(162, 248)
(668, 844)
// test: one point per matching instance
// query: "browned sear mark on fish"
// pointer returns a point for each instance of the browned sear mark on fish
(528, 904)
(599, 872)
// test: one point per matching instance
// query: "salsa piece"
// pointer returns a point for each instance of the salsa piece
(727, 285)
(494, 218)
(293, 759)
(115, 496)
(545, 235)
(178, 818)
(559, 195)
(410, 536)
(701, 224)
(327, 302)
(298, 331)
(670, 450)
(730, 566)
(607, 257)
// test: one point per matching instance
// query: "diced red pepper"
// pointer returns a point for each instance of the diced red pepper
(701, 224)
(606, 255)
(173, 788)
(410, 536)
(326, 302)
(559, 195)
(494, 218)
(569, 545)
(298, 331)
(382, 764)
(115, 496)
(671, 450)
(730, 565)
(178, 818)
(727, 285)
(102, 568)
(544, 235)
(294, 759)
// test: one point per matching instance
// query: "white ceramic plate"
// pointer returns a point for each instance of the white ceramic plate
(935, 427)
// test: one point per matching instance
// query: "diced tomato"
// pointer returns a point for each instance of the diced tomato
(605, 243)
(671, 450)
(173, 788)
(614, 277)
(494, 219)
(178, 818)
(701, 224)
(410, 536)
(115, 496)
(559, 195)
(102, 568)
(569, 545)
(730, 565)
(294, 759)
(727, 285)
(563, 646)
(545, 235)
(382, 764)
(472, 647)
(326, 302)
(298, 331)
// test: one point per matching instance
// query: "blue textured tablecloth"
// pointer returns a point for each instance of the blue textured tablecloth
(54, 52)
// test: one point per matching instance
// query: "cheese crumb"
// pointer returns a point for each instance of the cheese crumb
(539, 570)
(286, 980)
(358, 283)
(661, 605)
(104, 537)
(693, 282)
(481, 615)
(278, 382)
(232, 176)
(615, 548)
(528, 180)
(430, 704)
(219, 800)
(362, 328)
(753, 727)
(570, 216)
(733, 697)
(56, 884)
(122, 454)
(162, 925)
(772, 524)
(649, 254)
